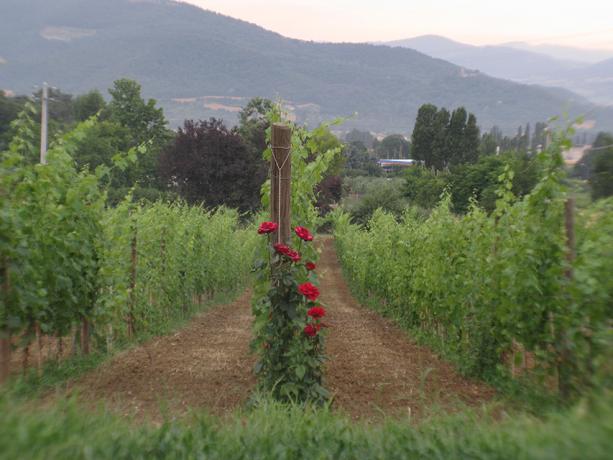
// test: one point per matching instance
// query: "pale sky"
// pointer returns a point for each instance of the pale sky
(579, 23)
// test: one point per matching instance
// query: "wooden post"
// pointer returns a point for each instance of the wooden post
(85, 336)
(43, 124)
(569, 223)
(60, 347)
(39, 354)
(280, 180)
(133, 260)
(5, 338)
(565, 358)
(5, 357)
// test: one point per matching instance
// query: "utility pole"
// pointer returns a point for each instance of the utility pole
(43, 124)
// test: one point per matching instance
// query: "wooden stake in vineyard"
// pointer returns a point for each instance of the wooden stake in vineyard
(133, 260)
(281, 180)
(565, 358)
(5, 339)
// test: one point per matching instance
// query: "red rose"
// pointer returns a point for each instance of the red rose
(310, 266)
(317, 312)
(303, 233)
(287, 251)
(309, 291)
(268, 227)
(281, 248)
(310, 330)
(294, 255)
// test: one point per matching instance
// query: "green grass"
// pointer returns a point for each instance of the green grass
(273, 431)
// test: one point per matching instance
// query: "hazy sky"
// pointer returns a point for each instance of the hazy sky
(581, 23)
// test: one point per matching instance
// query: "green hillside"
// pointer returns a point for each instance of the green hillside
(181, 52)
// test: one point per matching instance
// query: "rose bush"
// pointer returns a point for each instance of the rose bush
(290, 368)
(288, 334)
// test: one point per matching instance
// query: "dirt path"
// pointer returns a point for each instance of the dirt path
(205, 365)
(373, 367)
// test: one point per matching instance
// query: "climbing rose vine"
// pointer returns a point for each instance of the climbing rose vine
(288, 330)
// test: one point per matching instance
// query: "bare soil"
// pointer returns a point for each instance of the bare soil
(374, 368)
(206, 365)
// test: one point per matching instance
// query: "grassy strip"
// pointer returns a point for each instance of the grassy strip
(58, 373)
(275, 431)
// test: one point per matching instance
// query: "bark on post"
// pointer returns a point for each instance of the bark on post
(5, 339)
(5, 358)
(565, 361)
(39, 354)
(569, 221)
(131, 327)
(280, 180)
(85, 336)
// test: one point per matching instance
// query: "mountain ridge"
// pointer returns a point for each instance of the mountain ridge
(182, 55)
(523, 65)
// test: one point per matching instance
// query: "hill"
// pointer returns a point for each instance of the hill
(524, 64)
(567, 53)
(198, 64)
(497, 61)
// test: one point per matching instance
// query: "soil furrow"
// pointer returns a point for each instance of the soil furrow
(374, 368)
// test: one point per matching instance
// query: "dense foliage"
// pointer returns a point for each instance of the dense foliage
(476, 286)
(494, 141)
(67, 259)
(359, 160)
(441, 139)
(209, 163)
(392, 146)
(596, 166)
(466, 182)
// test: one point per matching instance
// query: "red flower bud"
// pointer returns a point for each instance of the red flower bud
(310, 266)
(310, 330)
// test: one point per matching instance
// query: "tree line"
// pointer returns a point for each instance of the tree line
(203, 162)
(209, 162)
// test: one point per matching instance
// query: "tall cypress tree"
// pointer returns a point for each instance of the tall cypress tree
(471, 140)
(424, 134)
(455, 137)
(439, 157)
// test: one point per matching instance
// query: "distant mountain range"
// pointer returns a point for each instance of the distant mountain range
(198, 64)
(564, 53)
(554, 66)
